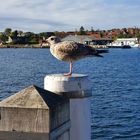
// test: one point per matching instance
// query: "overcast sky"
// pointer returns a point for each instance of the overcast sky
(68, 15)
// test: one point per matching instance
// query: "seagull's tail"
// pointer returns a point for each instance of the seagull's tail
(101, 51)
(98, 55)
(96, 52)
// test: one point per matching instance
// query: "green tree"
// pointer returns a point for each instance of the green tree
(47, 34)
(14, 34)
(138, 36)
(3, 37)
(92, 30)
(101, 34)
(32, 38)
(82, 31)
(8, 31)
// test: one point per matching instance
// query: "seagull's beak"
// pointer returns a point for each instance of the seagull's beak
(47, 41)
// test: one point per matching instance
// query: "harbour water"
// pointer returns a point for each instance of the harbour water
(115, 103)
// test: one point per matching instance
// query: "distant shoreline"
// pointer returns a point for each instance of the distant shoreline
(22, 46)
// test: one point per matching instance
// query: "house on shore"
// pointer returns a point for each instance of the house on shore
(17, 40)
(86, 39)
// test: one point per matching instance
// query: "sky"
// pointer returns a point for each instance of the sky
(68, 15)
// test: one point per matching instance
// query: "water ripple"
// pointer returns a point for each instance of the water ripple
(115, 103)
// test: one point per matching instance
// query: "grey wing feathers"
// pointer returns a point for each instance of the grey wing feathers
(71, 48)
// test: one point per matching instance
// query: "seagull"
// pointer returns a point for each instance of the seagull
(71, 51)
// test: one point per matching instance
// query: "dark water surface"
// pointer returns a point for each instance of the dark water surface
(115, 103)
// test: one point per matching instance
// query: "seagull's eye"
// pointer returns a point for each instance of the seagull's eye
(52, 38)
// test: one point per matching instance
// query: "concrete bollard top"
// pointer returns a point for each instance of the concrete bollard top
(33, 97)
(34, 114)
(75, 86)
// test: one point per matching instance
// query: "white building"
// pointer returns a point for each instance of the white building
(133, 42)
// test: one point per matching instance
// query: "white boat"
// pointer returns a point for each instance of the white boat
(135, 45)
(118, 45)
(120, 42)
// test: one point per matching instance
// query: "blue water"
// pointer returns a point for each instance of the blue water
(115, 104)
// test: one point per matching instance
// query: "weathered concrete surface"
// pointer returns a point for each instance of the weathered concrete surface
(75, 86)
(33, 97)
(23, 136)
(78, 88)
(34, 111)
(24, 120)
(80, 115)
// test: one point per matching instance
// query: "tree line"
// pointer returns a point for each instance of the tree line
(9, 36)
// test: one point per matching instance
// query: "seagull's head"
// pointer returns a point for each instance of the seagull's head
(53, 40)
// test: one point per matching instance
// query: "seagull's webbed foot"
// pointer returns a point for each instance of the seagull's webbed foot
(68, 74)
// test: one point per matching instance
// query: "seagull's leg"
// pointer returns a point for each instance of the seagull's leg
(70, 72)
(70, 68)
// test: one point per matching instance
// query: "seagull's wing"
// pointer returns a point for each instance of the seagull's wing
(77, 50)
(72, 48)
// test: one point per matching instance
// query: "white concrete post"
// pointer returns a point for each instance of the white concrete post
(78, 89)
